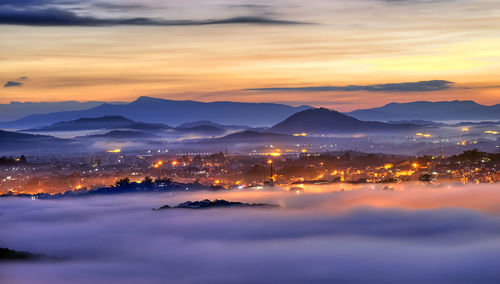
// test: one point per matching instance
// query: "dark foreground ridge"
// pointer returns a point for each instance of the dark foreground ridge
(124, 186)
(217, 203)
(14, 255)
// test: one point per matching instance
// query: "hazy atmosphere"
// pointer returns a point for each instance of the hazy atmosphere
(249, 141)
(413, 234)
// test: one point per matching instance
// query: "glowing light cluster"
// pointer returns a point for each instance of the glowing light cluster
(425, 135)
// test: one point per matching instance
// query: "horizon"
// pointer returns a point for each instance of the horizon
(249, 141)
(225, 101)
(323, 53)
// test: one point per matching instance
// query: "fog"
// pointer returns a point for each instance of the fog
(336, 233)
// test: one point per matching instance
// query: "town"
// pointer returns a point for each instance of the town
(222, 170)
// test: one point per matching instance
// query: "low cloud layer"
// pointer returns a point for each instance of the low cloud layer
(421, 86)
(363, 234)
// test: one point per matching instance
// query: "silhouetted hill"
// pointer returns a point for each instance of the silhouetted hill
(18, 110)
(13, 141)
(217, 203)
(326, 121)
(210, 123)
(122, 134)
(202, 130)
(105, 122)
(252, 137)
(14, 255)
(171, 112)
(422, 110)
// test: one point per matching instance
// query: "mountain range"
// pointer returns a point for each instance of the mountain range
(423, 110)
(105, 122)
(171, 112)
(230, 115)
(125, 127)
(18, 110)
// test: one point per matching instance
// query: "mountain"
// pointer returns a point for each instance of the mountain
(211, 123)
(171, 112)
(104, 122)
(11, 142)
(417, 122)
(251, 137)
(122, 134)
(201, 130)
(18, 110)
(423, 110)
(326, 121)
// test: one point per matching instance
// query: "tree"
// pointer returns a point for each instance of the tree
(124, 182)
(148, 181)
(425, 177)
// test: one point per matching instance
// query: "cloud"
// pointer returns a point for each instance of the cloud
(12, 84)
(421, 86)
(415, 234)
(15, 82)
(60, 17)
(119, 7)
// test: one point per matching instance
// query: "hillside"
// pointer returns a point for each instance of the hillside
(326, 121)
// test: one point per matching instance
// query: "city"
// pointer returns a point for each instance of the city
(225, 171)
(249, 141)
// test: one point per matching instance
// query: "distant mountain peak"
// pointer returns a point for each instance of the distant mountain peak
(323, 120)
(427, 110)
(146, 99)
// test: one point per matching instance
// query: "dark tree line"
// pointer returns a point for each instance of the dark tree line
(10, 161)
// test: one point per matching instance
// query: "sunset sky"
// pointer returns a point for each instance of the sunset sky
(287, 51)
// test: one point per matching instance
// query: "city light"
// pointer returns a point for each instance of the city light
(426, 135)
(114, 151)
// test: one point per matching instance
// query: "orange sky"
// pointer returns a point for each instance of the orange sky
(336, 43)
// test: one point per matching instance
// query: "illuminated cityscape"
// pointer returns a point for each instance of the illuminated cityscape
(249, 141)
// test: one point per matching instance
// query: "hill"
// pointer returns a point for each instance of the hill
(18, 110)
(211, 123)
(326, 121)
(171, 112)
(121, 134)
(104, 122)
(424, 110)
(11, 142)
(206, 130)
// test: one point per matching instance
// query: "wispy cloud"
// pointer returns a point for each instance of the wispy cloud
(12, 84)
(16, 82)
(421, 86)
(60, 17)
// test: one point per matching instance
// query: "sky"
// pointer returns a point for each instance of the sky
(344, 54)
(414, 234)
